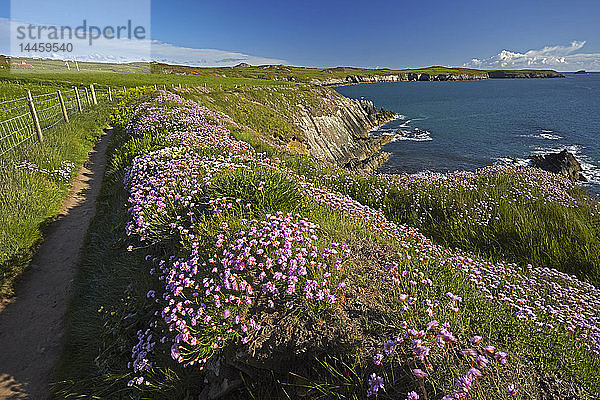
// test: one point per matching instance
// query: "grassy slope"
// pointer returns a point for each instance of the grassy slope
(68, 79)
(301, 74)
(112, 306)
(29, 199)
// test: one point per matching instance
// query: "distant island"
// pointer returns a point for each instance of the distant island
(581, 72)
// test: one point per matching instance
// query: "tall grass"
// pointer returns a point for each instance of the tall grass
(498, 215)
(34, 180)
(307, 351)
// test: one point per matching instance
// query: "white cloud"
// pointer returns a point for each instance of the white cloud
(169, 53)
(563, 58)
(123, 51)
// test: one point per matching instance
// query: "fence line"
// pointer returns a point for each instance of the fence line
(21, 117)
(23, 120)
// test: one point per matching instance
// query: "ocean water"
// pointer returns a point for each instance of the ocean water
(448, 126)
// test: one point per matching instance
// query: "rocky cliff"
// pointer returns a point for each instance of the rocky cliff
(414, 76)
(342, 134)
(356, 79)
(507, 74)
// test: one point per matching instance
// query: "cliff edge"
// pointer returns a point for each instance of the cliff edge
(342, 135)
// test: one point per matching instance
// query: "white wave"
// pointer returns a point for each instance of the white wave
(545, 134)
(416, 135)
(574, 148)
(512, 161)
(550, 136)
(591, 173)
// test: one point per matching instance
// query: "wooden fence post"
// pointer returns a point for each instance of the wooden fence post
(78, 99)
(109, 94)
(155, 87)
(94, 101)
(62, 106)
(87, 97)
(164, 87)
(36, 121)
(180, 86)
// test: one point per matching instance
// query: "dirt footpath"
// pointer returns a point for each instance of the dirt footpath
(32, 322)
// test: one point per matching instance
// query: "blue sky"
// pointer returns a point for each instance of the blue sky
(557, 34)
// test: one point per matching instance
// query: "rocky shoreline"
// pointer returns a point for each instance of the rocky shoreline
(343, 135)
(562, 163)
(412, 76)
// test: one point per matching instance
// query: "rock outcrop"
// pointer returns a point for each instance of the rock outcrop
(342, 135)
(410, 76)
(416, 76)
(563, 163)
(507, 74)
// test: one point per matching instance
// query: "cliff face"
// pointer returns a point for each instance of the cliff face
(342, 135)
(503, 74)
(412, 76)
(355, 79)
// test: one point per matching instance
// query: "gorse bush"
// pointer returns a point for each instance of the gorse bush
(126, 103)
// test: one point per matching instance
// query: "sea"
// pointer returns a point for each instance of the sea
(465, 125)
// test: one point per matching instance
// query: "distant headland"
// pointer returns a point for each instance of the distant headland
(349, 75)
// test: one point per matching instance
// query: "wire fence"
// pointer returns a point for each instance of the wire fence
(23, 120)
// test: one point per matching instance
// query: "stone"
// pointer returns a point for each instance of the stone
(563, 163)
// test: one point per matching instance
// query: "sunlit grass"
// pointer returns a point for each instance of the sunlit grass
(30, 195)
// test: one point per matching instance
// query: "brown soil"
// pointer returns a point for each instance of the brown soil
(32, 322)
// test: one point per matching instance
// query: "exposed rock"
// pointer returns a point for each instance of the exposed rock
(342, 136)
(507, 74)
(408, 76)
(416, 76)
(563, 163)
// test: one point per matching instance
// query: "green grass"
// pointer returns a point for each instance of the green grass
(309, 75)
(111, 304)
(270, 111)
(119, 79)
(30, 199)
(494, 220)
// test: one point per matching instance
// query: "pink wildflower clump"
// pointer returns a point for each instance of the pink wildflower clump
(205, 301)
(209, 302)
